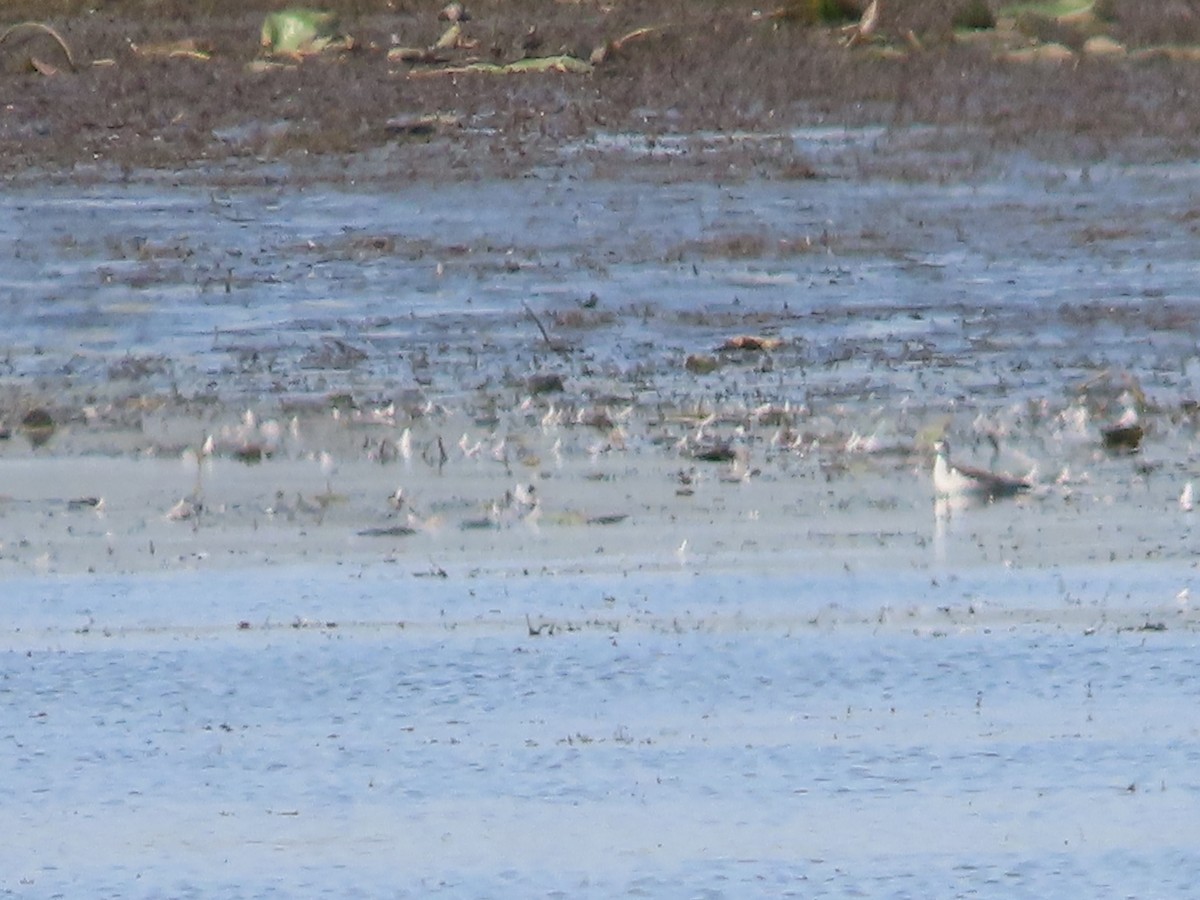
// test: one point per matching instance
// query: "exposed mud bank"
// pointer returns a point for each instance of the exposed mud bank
(178, 86)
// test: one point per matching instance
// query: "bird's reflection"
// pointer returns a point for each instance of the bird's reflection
(944, 511)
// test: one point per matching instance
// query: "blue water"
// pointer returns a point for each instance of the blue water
(1007, 727)
(1016, 284)
(363, 733)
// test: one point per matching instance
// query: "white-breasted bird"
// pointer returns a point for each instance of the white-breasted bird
(953, 480)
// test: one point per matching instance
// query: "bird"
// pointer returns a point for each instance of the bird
(1121, 438)
(952, 480)
(1124, 435)
(187, 508)
(328, 468)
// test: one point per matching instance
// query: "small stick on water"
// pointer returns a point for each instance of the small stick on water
(434, 571)
(538, 323)
(556, 346)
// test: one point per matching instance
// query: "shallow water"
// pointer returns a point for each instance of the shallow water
(677, 735)
(1017, 284)
(797, 677)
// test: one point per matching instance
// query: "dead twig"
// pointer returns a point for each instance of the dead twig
(610, 48)
(864, 30)
(556, 346)
(45, 29)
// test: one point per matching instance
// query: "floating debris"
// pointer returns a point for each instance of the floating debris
(421, 125)
(1145, 626)
(864, 30)
(563, 64)
(711, 450)
(417, 55)
(302, 32)
(388, 531)
(598, 417)
(36, 63)
(751, 342)
(1122, 438)
(334, 353)
(38, 426)
(556, 345)
(480, 523)
(610, 519)
(452, 39)
(609, 49)
(545, 383)
(701, 364)
(187, 48)
(251, 454)
(434, 571)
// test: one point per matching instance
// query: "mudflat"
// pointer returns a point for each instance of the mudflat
(173, 85)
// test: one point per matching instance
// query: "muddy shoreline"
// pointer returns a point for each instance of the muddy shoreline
(135, 101)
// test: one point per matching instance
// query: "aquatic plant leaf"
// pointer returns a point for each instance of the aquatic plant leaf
(1052, 9)
(187, 48)
(450, 38)
(563, 64)
(302, 32)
